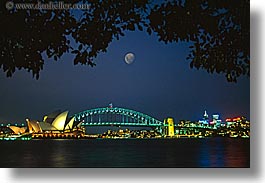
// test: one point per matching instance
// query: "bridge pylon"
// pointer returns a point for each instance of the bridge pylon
(169, 127)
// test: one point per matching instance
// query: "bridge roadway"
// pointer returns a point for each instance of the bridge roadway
(117, 124)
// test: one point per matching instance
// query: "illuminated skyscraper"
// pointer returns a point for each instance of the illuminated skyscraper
(216, 120)
(205, 119)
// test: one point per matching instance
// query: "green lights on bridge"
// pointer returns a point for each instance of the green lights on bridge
(122, 117)
(116, 116)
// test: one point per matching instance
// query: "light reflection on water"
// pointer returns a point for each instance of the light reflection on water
(226, 152)
(212, 152)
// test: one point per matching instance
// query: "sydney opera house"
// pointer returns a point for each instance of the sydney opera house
(54, 125)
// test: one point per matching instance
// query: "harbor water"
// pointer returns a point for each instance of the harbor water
(183, 153)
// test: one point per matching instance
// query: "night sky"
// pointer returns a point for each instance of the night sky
(159, 83)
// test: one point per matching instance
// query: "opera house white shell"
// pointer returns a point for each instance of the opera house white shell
(56, 123)
(18, 130)
(60, 120)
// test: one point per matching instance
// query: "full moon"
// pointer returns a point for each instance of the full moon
(129, 58)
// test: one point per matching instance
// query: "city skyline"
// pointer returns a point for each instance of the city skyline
(200, 119)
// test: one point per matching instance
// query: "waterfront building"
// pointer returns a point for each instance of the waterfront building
(55, 125)
(233, 122)
(216, 121)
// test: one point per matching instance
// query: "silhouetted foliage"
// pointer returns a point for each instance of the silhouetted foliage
(218, 31)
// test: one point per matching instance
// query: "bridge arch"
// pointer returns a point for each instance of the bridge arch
(115, 116)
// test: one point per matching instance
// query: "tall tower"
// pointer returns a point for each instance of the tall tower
(205, 116)
(169, 127)
(205, 119)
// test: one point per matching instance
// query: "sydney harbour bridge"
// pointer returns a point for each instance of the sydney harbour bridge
(115, 116)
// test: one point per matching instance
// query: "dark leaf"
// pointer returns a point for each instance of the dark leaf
(80, 47)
